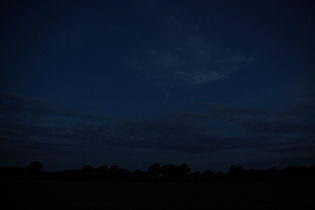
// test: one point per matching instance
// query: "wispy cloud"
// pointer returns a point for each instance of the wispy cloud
(188, 67)
(184, 56)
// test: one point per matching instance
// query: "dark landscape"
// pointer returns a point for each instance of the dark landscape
(160, 187)
(157, 104)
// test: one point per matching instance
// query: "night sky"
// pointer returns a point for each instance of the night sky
(129, 83)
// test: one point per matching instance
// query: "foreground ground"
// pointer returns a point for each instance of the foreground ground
(142, 195)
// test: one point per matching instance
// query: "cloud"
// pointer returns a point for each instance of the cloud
(210, 129)
(188, 66)
(183, 56)
(280, 127)
(194, 78)
(13, 103)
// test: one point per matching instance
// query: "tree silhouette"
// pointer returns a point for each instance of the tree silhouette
(236, 173)
(208, 175)
(155, 171)
(114, 168)
(183, 171)
(196, 176)
(87, 168)
(173, 173)
(102, 168)
(169, 171)
(35, 167)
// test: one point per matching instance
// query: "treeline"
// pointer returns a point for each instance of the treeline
(158, 173)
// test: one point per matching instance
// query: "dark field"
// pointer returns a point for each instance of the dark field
(154, 195)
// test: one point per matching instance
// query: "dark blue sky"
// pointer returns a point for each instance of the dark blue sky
(207, 83)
